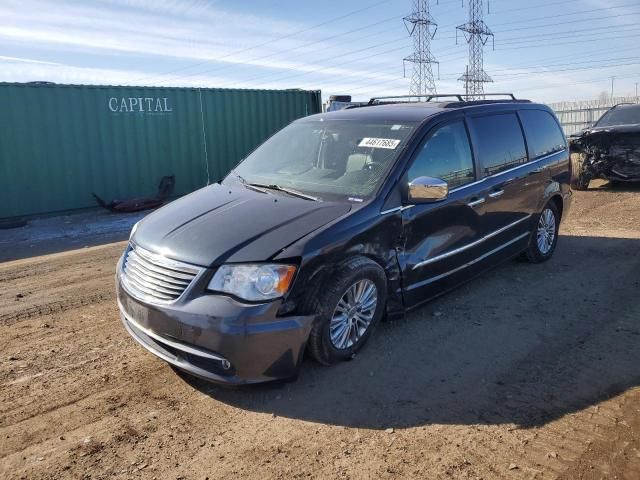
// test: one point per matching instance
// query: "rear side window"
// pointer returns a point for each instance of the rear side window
(499, 142)
(544, 136)
(446, 154)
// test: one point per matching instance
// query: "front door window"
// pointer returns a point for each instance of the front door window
(446, 154)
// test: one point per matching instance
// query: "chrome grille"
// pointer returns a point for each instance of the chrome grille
(155, 278)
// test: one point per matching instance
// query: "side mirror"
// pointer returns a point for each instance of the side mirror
(427, 189)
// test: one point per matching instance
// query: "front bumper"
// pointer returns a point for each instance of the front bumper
(218, 338)
(619, 176)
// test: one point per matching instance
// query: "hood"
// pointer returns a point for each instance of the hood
(628, 128)
(604, 131)
(605, 137)
(223, 223)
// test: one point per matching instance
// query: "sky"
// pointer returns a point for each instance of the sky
(545, 50)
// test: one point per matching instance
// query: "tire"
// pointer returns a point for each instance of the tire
(331, 298)
(541, 251)
(579, 177)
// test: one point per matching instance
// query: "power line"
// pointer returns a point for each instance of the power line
(368, 85)
(588, 40)
(396, 49)
(332, 57)
(286, 52)
(288, 76)
(530, 67)
(600, 17)
(562, 34)
(542, 36)
(577, 69)
(581, 12)
(283, 37)
(371, 85)
(581, 20)
(598, 80)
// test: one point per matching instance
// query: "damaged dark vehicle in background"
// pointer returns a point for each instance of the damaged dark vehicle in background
(609, 150)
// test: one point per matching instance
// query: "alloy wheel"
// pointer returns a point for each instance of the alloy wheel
(353, 314)
(546, 231)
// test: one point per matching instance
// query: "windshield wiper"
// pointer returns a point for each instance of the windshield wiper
(250, 186)
(290, 191)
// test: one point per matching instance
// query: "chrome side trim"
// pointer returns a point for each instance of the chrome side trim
(172, 343)
(397, 209)
(451, 253)
(475, 203)
(477, 182)
(474, 261)
(457, 189)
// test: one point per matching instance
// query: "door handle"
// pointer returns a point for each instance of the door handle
(496, 194)
(475, 203)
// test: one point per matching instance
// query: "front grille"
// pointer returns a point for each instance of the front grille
(155, 278)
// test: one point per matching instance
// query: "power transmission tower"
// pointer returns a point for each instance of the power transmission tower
(477, 34)
(420, 25)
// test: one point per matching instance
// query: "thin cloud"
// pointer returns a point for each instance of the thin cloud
(26, 60)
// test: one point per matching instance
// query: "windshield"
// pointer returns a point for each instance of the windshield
(620, 116)
(327, 157)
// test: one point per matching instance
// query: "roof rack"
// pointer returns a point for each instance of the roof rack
(428, 98)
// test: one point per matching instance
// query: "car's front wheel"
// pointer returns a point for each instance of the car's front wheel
(349, 307)
(544, 238)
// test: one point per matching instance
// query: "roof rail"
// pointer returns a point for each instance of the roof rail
(428, 98)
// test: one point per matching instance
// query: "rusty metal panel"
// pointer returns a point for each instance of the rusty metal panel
(59, 143)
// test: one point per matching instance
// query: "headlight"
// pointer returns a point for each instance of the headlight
(253, 282)
(133, 229)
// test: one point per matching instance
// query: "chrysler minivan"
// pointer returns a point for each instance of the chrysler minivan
(336, 221)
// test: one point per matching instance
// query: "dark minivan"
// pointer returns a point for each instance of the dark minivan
(338, 220)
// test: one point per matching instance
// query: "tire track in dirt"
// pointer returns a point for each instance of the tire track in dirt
(55, 307)
(56, 283)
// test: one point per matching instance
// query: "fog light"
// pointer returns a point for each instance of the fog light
(226, 364)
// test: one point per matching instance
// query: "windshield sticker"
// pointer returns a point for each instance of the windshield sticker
(389, 143)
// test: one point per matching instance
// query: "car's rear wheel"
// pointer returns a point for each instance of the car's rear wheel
(544, 238)
(349, 307)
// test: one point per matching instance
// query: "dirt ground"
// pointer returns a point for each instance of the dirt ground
(529, 372)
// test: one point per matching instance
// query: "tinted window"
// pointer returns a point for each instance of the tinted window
(543, 133)
(623, 115)
(447, 155)
(499, 142)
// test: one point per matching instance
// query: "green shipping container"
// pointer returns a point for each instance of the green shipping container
(60, 143)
